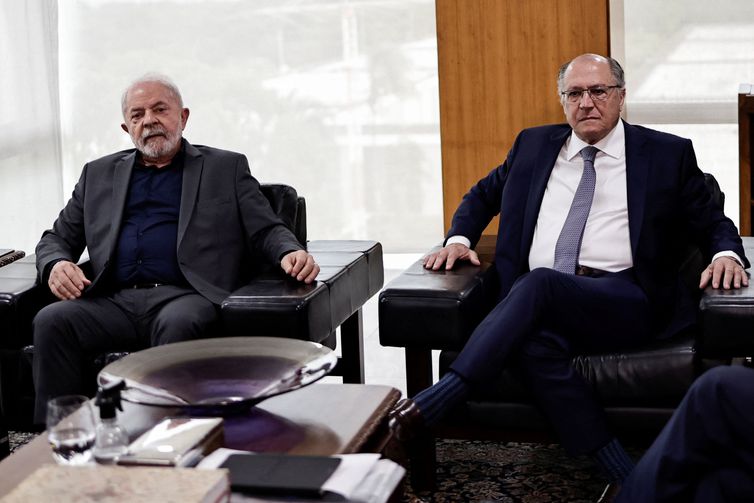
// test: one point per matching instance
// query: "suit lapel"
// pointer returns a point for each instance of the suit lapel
(192, 172)
(637, 172)
(542, 168)
(121, 181)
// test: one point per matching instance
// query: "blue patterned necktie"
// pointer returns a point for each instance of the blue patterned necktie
(569, 242)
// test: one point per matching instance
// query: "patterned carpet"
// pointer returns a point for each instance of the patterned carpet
(17, 439)
(476, 471)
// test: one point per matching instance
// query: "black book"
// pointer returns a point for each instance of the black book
(280, 474)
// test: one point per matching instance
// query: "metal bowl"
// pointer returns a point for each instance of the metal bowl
(211, 375)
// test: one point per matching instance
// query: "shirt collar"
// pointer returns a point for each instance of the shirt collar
(614, 144)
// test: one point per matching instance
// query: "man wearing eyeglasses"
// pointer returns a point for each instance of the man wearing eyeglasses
(593, 215)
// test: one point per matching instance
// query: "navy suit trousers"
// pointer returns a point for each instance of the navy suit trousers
(547, 318)
(706, 451)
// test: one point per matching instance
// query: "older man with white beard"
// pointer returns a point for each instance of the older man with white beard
(171, 229)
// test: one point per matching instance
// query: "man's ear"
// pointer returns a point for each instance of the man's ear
(124, 128)
(184, 118)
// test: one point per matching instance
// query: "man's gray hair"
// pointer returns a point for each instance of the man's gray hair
(158, 78)
(615, 69)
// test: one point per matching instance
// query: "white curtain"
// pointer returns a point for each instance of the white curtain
(30, 148)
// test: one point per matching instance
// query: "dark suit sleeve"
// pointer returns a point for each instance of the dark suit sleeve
(66, 240)
(480, 204)
(265, 232)
(709, 227)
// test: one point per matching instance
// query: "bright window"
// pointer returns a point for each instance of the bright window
(684, 61)
(30, 181)
(337, 98)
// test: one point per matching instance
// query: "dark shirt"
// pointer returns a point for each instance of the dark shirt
(147, 244)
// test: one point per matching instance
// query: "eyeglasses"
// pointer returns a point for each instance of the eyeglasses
(596, 93)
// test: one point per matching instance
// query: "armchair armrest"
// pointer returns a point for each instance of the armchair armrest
(425, 309)
(727, 319)
(351, 272)
(20, 300)
(727, 323)
(276, 306)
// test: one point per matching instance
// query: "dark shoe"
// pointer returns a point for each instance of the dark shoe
(405, 420)
(610, 493)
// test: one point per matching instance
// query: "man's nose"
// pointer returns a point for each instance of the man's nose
(586, 100)
(149, 117)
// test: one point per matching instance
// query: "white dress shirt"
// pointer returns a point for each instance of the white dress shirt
(606, 243)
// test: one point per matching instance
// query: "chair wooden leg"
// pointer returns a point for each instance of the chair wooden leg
(423, 459)
(4, 439)
(421, 450)
(352, 348)
(418, 370)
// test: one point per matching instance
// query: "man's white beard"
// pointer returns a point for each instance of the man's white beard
(161, 147)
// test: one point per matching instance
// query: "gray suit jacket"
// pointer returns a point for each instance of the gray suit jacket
(225, 222)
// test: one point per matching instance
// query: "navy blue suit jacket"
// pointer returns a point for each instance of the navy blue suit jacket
(669, 206)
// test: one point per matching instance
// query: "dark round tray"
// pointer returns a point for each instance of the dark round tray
(215, 374)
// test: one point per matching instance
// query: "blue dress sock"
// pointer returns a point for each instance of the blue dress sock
(434, 401)
(614, 461)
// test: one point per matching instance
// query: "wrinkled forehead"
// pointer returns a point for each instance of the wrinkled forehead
(586, 73)
(145, 94)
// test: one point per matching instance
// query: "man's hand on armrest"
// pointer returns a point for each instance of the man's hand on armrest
(300, 265)
(449, 255)
(724, 271)
(67, 281)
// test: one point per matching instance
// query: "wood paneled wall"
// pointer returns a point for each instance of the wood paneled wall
(745, 158)
(498, 63)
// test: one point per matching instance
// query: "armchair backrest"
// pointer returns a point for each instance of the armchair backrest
(717, 195)
(287, 204)
(694, 261)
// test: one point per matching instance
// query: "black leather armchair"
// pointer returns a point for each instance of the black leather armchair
(269, 305)
(425, 310)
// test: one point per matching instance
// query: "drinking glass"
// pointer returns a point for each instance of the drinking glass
(70, 429)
